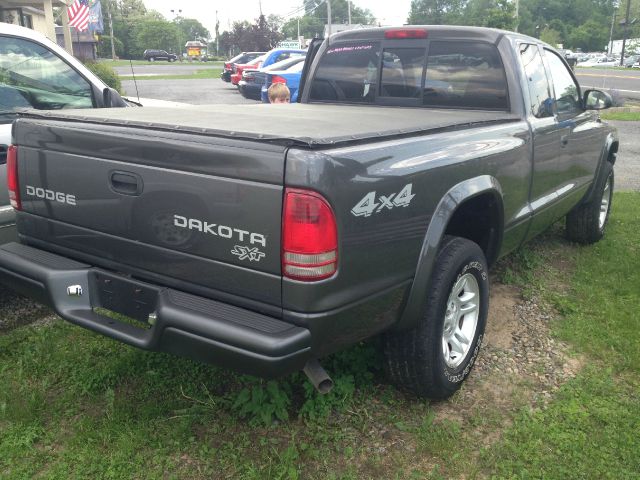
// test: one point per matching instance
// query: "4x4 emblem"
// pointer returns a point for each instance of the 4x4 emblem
(253, 254)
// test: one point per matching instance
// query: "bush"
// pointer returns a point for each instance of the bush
(105, 73)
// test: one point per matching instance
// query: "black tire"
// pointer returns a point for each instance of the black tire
(583, 223)
(415, 359)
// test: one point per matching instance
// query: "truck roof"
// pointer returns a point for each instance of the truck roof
(307, 125)
(433, 31)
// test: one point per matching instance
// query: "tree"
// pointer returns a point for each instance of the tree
(436, 12)
(550, 36)
(490, 13)
(190, 29)
(591, 36)
(104, 46)
(310, 27)
(157, 34)
(339, 12)
(245, 36)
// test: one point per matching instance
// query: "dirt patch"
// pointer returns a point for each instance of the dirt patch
(16, 310)
(520, 364)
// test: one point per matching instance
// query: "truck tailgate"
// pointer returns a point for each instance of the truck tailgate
(200, 210)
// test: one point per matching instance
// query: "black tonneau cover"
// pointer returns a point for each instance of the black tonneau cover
(310, 125)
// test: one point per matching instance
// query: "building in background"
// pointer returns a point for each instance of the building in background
(34, 14)
(84, 43)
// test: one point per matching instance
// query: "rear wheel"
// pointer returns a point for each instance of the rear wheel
(432, 359)
(586, 223)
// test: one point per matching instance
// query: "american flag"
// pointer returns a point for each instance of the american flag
(79, 15)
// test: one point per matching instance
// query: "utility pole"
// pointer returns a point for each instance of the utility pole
(517, 14)
(217, 39)
(613, 21)
(113, 48)
(626, 32)
(349, 10)
(329, 19)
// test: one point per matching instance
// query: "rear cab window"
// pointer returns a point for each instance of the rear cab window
(347, 73)
(439, 74)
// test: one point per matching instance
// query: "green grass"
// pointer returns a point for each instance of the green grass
(76, 405)
(625, 116)
(125, 63)
(590, 429)
(198, 74)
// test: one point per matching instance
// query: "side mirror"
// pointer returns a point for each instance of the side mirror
(596, 100)
(112, 99)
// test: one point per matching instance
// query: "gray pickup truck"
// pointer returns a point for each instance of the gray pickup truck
(264, 238)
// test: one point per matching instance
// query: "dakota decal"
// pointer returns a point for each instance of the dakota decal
(219, 230)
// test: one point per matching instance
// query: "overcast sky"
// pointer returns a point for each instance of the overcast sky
(388, 12)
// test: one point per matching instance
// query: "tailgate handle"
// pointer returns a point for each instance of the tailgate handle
(126, 183)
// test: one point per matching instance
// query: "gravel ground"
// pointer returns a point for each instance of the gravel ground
(628, 163)
(197, 92)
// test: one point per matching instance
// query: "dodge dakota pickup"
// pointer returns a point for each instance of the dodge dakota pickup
(415, 158)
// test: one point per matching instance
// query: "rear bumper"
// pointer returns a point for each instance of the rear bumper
(166, 320)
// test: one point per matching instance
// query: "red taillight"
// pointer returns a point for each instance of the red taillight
(12, 177)
(278, 79)
(309, 236)
(406, 33)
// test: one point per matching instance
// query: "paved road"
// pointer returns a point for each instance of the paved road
(197, 92)
(627, 82)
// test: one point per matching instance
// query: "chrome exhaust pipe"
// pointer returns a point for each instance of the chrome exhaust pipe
(318, 377)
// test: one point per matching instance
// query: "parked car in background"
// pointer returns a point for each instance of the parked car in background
(570, 57)
(602, 61)
(631, 60)
(290, 77)
(36, 73)
(238, 68)
(244, 57)
(253, 80)
(273, 56)
(153, 55)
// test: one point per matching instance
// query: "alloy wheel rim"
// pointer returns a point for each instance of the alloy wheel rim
(605, 203)
(461, 320)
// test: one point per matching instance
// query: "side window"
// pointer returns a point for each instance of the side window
(539, 92)
(34, 77)
(566, 90)
(402, 72)
(465, 75)
(347, 73)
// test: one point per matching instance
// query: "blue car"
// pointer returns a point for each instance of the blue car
(279, 54)
(290, 77)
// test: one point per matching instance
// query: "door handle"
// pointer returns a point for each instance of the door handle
(126, 183)
(564, 139)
